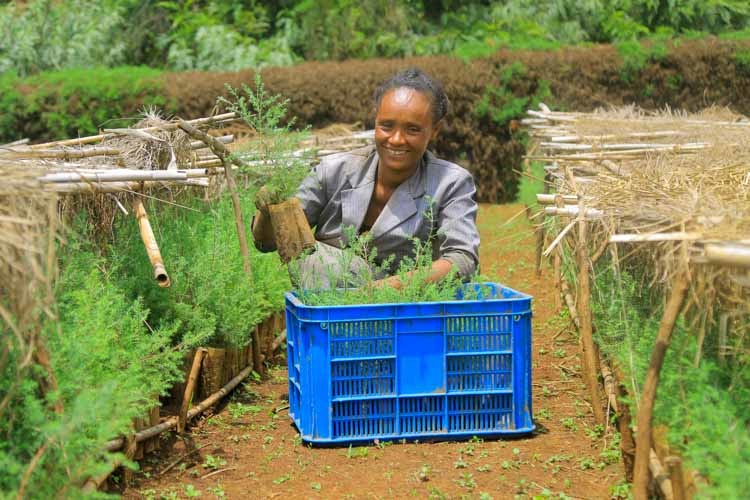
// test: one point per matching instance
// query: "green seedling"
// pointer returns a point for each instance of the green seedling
(217, 491)
(436, 494)
(213, 462)
(423, 474)
(239, 410)
(282, 479)
(192, 492)
(466, 481)
(569, 423)
(359, 452)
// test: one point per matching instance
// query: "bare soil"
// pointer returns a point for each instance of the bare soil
(249, 449)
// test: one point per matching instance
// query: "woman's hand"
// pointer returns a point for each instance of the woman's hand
(391, 281)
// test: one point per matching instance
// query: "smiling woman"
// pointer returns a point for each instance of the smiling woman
(395, 193)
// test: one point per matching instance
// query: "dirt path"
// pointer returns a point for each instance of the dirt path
(248, 451)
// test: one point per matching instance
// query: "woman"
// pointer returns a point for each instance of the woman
(395, 191)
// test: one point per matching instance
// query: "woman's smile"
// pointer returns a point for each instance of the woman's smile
(403, 128)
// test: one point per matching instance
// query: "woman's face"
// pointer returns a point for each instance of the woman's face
(403, 128)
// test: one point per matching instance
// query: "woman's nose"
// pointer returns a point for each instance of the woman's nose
(397, 137)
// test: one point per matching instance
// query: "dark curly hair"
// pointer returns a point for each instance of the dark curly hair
(415, 78)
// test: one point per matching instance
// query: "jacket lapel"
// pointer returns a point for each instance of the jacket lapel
(354, 201)
(402, 205)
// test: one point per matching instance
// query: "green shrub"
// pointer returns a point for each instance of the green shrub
(501, 104)
(636, 55)
(109, 366)
(75, 102)
(742, 61)
(211, 300)
(701, 404)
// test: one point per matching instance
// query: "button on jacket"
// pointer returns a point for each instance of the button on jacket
(337, 193)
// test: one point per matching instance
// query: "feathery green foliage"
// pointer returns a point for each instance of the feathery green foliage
(703, 406)
(274, 155)
(357, 284)
(109, 366)
(211, 299)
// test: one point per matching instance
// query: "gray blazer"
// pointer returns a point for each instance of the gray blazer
(337, 193)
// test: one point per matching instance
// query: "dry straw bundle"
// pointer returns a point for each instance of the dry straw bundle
(663, 181)
(669, 193)
(27, 268)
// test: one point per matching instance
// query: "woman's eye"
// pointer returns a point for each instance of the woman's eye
(414, 130)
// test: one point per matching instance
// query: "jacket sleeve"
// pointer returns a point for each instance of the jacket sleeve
(312, 194)
(457, 230)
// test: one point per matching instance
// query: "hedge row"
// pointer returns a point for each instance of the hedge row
(486, 94)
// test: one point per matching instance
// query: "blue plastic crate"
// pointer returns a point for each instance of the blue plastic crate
(439, 370)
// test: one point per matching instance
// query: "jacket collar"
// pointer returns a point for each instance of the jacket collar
(400, 207)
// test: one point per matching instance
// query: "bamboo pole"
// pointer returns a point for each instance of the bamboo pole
(167, 126)
(550, 199)
(648, 395)
(732, 254)
(109, 187)
(19, 142)
(61, 154)
(584, 315)
(224, 139)
(189, 389)
(227, 159)
(152, 247)
(572, 211)
(171, 422)
(648, 237)
(116, 175)
(626, 148)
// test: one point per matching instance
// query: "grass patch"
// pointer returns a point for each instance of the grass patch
(531, 184)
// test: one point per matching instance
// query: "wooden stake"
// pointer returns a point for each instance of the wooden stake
(661, 476)
(627, 443)
(280, 339)
(584, 316)
(190, 388)
(60, 154)
(227, 159)
(609, 386)
(540, 229)
(674, 466)
(171, 422)
(152, 247)
(257, 355)
(646, 409)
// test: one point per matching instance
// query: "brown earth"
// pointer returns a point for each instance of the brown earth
(250, 451)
